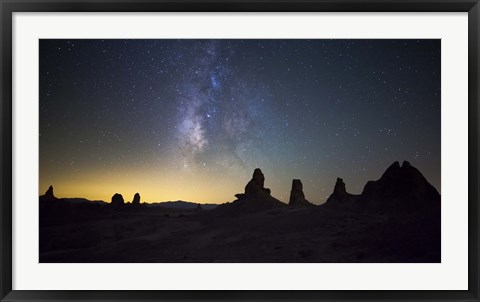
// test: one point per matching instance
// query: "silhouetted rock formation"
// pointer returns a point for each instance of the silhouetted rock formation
(48, 195)
(255, 187)
(297, 198)
(136, 199)
(117, 200)
(401, 187)
(240, 195)
(396, 219)
(339, 192)
(256, 196)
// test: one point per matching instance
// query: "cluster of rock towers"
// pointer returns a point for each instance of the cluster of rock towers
(255, 190)
(117, 200)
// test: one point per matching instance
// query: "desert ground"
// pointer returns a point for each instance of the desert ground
(395, 219)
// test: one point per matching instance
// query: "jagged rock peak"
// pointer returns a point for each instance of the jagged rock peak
(339, 191)
(297, 197)
(117, 200)
(406, 170)
(395, 165)
(49, 194)
(401, 183)
(255, 187)
(340, 187)
(393, 169)
(297, 185)
(136, 199)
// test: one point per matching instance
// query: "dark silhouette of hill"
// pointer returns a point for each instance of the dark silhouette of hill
(78, 200)
(183, 205)
(395, 219)
(50, 197)
(400, 188)
(58, 211)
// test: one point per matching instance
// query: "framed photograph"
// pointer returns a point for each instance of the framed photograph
(236, 150)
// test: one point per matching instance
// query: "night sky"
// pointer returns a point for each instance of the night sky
(191, 119)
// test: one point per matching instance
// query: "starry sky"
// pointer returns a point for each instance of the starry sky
(191, 119)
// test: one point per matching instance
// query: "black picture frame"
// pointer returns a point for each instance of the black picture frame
(7, 7)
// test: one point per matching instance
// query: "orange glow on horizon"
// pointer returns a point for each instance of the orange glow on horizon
(152, 187)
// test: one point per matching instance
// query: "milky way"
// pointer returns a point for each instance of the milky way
(191, 119)
(220, 122)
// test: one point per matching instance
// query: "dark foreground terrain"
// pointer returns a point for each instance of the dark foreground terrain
(395, 219)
